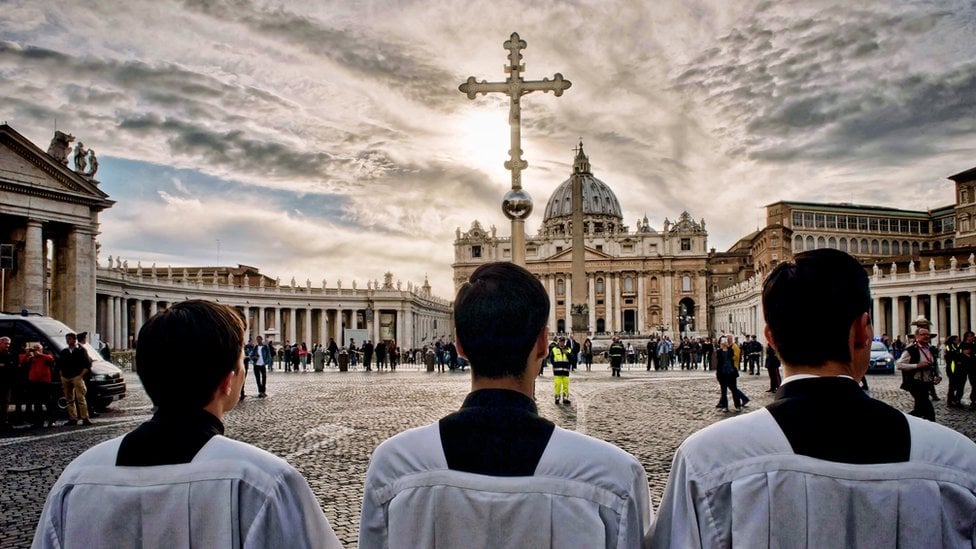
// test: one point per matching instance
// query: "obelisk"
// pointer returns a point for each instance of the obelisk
(579, 310)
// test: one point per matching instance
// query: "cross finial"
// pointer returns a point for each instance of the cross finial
(515, 45)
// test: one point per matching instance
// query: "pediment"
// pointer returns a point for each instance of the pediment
(589, 254)
(26, 169)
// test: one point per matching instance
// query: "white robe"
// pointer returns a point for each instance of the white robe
(584, 493)
(738, 483)
(231, 495)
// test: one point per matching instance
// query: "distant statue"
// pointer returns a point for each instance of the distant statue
(169, 272)
(247, 281)
(877, 271)
(911, 266)
(894, 269)
(200, 275)
(81, 158)
(931, 264)
(353, 284)
(308, 283)
(493, 229)
(118, 262)
(109, 262)
(261, 282)
(457, 233)
(92, 163)
(293, 284)
(339, 284)
(323, 284)
(398, 284)
(125, 265)
(972, 261)
(230, 279)
(278, 281)
(703, 223)
(59, 146)
(186, 274)
(952, 263)
(152, 270)
(138, 268)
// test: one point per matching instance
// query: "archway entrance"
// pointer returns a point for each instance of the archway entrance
(630, 321)
(686, 316)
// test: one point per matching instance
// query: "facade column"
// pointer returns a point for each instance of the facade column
(277, 324)
(324, 326)
(110, 321)
(400, 325)
(936, 317)
(308, 326)
(410, 332)
(153, 308)
(551, 290)
(972, 311)
(912, 310)
(667, 295)
(139, 319)
(339, 325)
(611, 301)
(954, 315)
(34, 268)
(569, 303)
(376, 324)
(125, 322)
(897, 324)
(640, 302)
(261, 318)
(876, 313)
(292, 328)
(591, 302)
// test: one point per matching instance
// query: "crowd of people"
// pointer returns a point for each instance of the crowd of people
(33, 379)
(826, 464)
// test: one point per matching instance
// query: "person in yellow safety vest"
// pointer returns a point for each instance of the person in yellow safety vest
(560, 370)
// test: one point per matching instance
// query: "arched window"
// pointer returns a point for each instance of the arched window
(843, 244)
(914, 248)
(599, 286)
(821, 242)
(875, 247)
(832, 243)
(685, 283)
(925, 245)
(885, 247)
(948, 243)
(905, 247)
(895, 247)
(560, 287)
(964, 223)
(936, 245)
(864, 246)
(854, 246)
(797, 243)
(965, 196)
(601, 325)
(809, 245)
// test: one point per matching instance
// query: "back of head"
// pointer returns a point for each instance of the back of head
(498, 315)
(184, 352)
(810, 304)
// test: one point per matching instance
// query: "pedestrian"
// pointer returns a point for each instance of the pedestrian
(176, 480)
(823, 465)
(42, 404)
(74, 364)
(587, 352)
(723, 362)
(560, 370)
(261, 358)
(9, 369)
(920, 371)
(954, 371)
(495, 473)
(616, 354)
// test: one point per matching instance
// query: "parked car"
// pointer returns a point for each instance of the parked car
(881, 361)
(107, 382)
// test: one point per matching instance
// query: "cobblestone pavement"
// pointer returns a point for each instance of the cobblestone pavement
(326, 425)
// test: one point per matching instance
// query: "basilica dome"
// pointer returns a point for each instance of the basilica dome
(598, 199)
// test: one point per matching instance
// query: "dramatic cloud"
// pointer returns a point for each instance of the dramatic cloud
(328, 140)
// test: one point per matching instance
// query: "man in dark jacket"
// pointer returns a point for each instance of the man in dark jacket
(74, 364)
(616, 354)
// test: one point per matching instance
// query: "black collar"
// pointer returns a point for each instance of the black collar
(499, 398)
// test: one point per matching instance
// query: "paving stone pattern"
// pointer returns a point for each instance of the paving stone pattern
(327, 424)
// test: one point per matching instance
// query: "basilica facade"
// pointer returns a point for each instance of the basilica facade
(641, 281)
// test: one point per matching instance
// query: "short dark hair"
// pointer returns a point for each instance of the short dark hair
(184, 352)
(821, 292)
(498, 315)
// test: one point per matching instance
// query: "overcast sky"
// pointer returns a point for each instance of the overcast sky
(328, 139)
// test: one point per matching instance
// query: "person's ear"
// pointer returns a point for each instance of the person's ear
(226, 385)
(769, 338)
(542, 343)
(459, 348)
(862, 332)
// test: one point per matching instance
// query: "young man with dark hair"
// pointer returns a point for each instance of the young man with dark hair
(495, 473)
(824, 465)
(176, 481)
(74, 364)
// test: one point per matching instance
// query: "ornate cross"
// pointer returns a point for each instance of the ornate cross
(515, 87)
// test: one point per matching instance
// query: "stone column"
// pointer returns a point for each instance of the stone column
(308, 326)
(110, 321)
(409, 329)
(400, 325)
(153, 308)
(876, 313)
(139, 318)
(551, 290)
(639, 324)
(912, 310)
(277, 324)
(668, 308)
(591, 301)
(936, 317)
(569, 303)
(897, 324)
(124, 302)
(292, 328)
(261, 321)
(611, 301)
(34, 268)
(954, 315)
(375, 333)
(972, 311)
(324, 326)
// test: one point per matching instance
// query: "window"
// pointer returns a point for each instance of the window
(854, 246)
(797, 243)
(821, 242)
(506, 252)
(653, 283)
(628, 248)
(895, 248)
(843, 244)
(832, 243)
(559, 249)
(560, 287)
(475, 251)
(913, 226)
(599, 247)
(862, 223)
(808, 220)
(685, 244)
(599, 285)
(885, 247)
(831, 221)
(875, 247)
(914, 248)
(924, 227)
(873, 224)
(965, 196)
(842, 222)
(629, 285)
(964, 223)
(884, 225)
(797, 219)
(685, 283)
(819, 221)
(809, 245)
